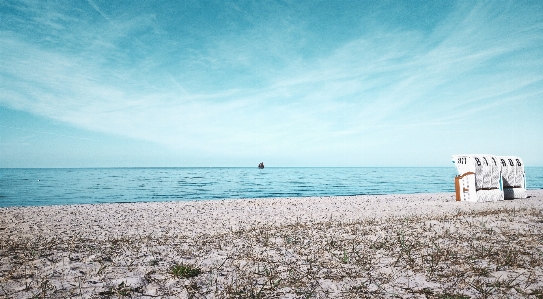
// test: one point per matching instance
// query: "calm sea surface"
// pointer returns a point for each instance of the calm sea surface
(36, 187)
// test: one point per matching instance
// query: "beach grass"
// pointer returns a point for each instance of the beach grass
(495, 252)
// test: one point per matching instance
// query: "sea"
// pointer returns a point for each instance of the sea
(66, 186)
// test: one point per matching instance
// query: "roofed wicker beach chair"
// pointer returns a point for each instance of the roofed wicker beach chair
(479, 178)
(513, 177)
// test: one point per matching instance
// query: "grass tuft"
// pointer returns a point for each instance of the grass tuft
(185, 271)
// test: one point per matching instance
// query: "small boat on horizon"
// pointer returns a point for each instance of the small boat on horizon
(261, 165)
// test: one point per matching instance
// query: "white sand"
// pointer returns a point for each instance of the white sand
(74, 250)
(216, 216)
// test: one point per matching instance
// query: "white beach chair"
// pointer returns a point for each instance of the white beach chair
(479, 178)
(513, 177)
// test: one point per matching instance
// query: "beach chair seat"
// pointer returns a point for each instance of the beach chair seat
(478, 179)
(513, 177)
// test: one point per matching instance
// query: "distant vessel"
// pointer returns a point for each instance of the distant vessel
(261, 165)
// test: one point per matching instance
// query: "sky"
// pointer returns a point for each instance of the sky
(289, 83)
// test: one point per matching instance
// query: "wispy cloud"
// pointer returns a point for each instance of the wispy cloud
(95, 7)
(259, 89)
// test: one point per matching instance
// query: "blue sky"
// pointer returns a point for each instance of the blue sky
(291, 83)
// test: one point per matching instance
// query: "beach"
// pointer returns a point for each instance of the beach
(413, 245)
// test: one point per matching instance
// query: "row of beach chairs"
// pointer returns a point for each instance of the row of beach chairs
(489, 178)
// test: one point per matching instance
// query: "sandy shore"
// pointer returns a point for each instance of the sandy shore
(424, 245)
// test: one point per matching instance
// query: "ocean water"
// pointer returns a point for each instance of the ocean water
(36, 187)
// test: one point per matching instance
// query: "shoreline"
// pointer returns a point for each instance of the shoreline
(211, 216)
(137, 244)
